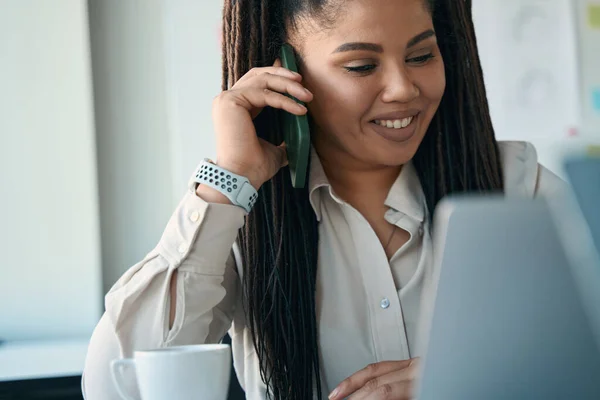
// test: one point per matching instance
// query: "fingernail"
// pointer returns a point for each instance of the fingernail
(307, 91)
(334, 393)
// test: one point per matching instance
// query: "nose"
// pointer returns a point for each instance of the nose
(399, 87)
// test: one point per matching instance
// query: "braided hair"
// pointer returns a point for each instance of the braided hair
(279, 241)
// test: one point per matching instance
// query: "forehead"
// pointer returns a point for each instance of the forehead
(391, 23)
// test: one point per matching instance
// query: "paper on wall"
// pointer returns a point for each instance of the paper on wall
(529, 56)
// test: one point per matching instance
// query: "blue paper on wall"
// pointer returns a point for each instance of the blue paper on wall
(596, 99)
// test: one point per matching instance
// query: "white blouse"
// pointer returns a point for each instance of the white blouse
(368, 308)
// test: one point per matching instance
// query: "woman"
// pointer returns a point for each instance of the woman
(322, 289)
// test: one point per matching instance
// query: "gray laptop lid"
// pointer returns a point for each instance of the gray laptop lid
(508, 320)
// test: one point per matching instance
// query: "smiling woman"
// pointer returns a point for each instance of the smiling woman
(377, 73)
(319, 286)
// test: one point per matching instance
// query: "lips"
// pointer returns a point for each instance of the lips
(398, 129)
(394, 115)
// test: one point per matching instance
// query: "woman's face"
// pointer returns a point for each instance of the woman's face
(376, 69)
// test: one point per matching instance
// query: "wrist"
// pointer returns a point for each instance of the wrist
(238, 169)
(211, 195)
(220, 185)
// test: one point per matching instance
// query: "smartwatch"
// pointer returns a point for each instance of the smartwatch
(236, 188)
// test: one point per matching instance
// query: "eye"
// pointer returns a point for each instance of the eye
(361, 69)
(421, 59)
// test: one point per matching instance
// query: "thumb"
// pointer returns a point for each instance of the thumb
(276, 157)
(283, 159)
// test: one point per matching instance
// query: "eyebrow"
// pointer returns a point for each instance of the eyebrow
(356, 46)
(420, 37)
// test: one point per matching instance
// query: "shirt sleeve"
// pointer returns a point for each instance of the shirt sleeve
(197, 242)
(549, 184)
(524, 176)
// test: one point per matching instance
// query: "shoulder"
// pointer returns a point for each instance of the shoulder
(523, 175)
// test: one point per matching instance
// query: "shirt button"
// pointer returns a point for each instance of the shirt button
(182, 248)
(195, 216)
(385, 303)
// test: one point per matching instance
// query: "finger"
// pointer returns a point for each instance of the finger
(360, 378)
(277, 63)
(279, 84)
(407, 375)
(256, 98)
(396, 390)
(274, 70)
(277, 154)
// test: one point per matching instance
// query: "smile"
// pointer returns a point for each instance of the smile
(396, 123)
(399, 128)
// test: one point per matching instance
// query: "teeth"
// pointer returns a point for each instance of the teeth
(395, 124)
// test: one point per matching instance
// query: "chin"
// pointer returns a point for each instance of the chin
(393, 154)
(393, 147)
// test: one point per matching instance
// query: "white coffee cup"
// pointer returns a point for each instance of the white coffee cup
(181, 373)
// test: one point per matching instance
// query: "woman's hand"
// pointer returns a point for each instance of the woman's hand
(239, 150)
(384, 380)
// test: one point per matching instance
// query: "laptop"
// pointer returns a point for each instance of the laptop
(510, 319)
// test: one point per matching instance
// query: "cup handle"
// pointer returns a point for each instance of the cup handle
(116, 369)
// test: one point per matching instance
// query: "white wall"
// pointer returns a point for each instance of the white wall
(193, 60)
(156, 66)
(49, 232)
(137, 194)
(589, 45)
(538, 57)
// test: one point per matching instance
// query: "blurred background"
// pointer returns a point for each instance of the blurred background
(105, 112)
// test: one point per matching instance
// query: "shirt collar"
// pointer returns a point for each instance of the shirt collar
(405, 196)
(317, 182)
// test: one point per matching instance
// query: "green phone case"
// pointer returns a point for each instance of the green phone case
(296, 133)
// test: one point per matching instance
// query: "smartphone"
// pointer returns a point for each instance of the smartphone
(296, 133)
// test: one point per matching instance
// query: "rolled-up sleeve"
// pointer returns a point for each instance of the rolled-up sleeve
(197, 242)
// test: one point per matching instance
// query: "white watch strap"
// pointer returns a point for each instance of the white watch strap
(236, 188)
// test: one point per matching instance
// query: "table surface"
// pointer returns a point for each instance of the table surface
(44, 359)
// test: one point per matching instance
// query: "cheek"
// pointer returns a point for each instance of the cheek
(433, 85)
(337, 101)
